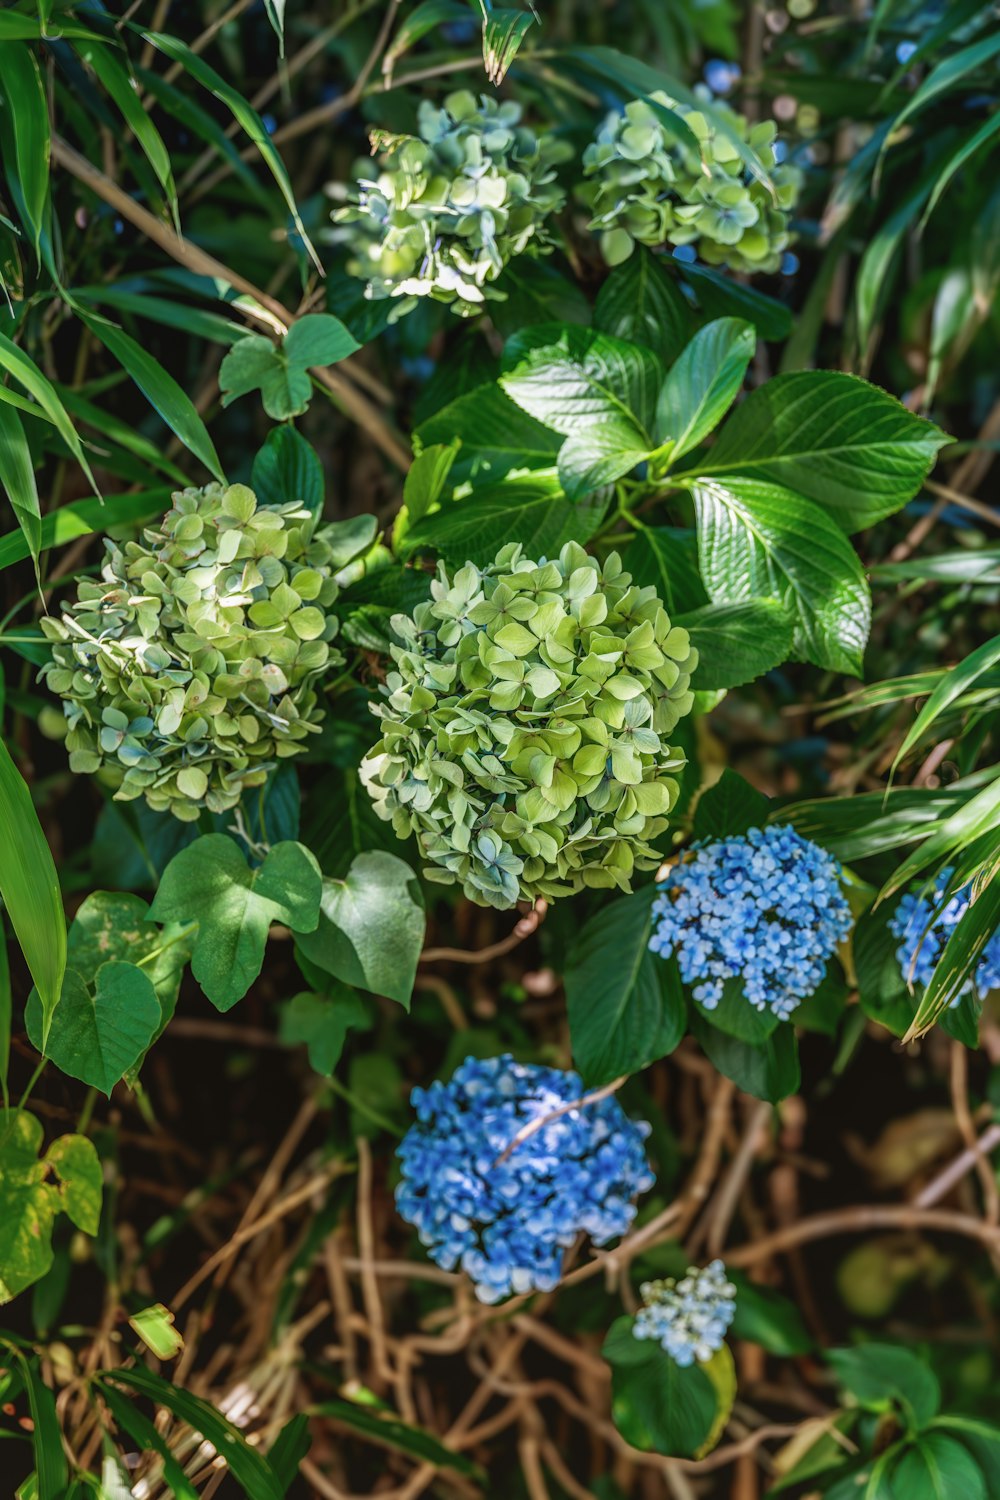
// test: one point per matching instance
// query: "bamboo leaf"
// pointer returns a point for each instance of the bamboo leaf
(30, 890)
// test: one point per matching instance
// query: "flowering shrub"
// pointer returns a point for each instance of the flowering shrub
(688, 1318)
(451, 206)
(522, 732)
(764, 908)
(645, 185)
(505, 1216)
(188, 671)
(924, 921)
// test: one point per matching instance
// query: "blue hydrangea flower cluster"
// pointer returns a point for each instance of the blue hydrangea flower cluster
(765, 908)
(924, 923)
(506, 1219)
(688, 1318)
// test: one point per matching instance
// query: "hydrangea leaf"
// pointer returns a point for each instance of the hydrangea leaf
(758, 540)
(211, 883)
(580, 377)
(322, 1023)
(626, 1006)
(657, 1406)
(834, 438)
(763, 1316)
(768, 1070)
(729, 807)
(288, 469)
(721, 1371)
(532, 509)
(641, 303)
(33, 1191)
(98, 1033)
(737, 1017)
(719, 296)
(880, 1376)
(738, 643)
(371, 927)
(937, 1466)
(703, 384)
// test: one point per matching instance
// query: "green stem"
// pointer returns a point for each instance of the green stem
(365, 1109)
(155, 952)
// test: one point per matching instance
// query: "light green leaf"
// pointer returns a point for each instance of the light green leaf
(504, 30)
(952, 686)
(757, 540)
(24, 97)
(98, 1035)
(322, 1023)
(703, 384)
(29, 888)
(833, 438)
(626, 1006)
(32, 1192)
(571, 378)
(641, 303)
(255, 363)
(155, 1326)
(81, 517)
(160, 390)
(607, 451)
(737, 643)
(371, 928)
(211, 883)
(318, 340)
(17, 475)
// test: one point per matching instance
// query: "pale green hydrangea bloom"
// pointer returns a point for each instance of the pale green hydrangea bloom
(523, 728)
(189, 669)
(450, 207)
(646, 186)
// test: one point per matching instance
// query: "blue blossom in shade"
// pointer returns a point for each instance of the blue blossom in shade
(764, 908)
(688, 1318)
(506, 1219)
(924, 923)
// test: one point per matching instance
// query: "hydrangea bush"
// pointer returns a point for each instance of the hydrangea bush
(506, 1216)
(452, 205)
(523, 728)
(189, 669)
(645, 185)
(688, 1318)
(765, 909)
(924, 921)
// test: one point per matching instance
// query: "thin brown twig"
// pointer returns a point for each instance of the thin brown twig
(524, 928)
(956, 1170)
(858, 1220)
(540, 1122)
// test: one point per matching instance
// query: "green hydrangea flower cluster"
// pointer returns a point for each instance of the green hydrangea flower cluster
(522, 732)
(189, 669)
(451, 207)
(645, 186)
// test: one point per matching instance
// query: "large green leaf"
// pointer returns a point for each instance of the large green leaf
(322, 1022)
(703, 384)
(17, 475)
(161, 391)
(116, 79)
(97, 1034)
(24, 96)
(641, 303)
(495, 434)
(371, 927)
(211, 883)
(657, 1405)
(532, 511)
(83, 516)
(626, 1006)
(29, 887)
(882, 1375)
(40, 389)
(598, 391)
(938, 1468)
(763, 1316)
(738, 642)
(757, 540)
(767, 1069)
(833, 438)
(728, 808)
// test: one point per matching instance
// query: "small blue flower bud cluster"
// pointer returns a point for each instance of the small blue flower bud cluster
(765, 908)
(924, 923)
(688, 1318)
(506, 1219)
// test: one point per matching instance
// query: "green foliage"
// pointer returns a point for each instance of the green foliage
(34, 1190)
(281, 374)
